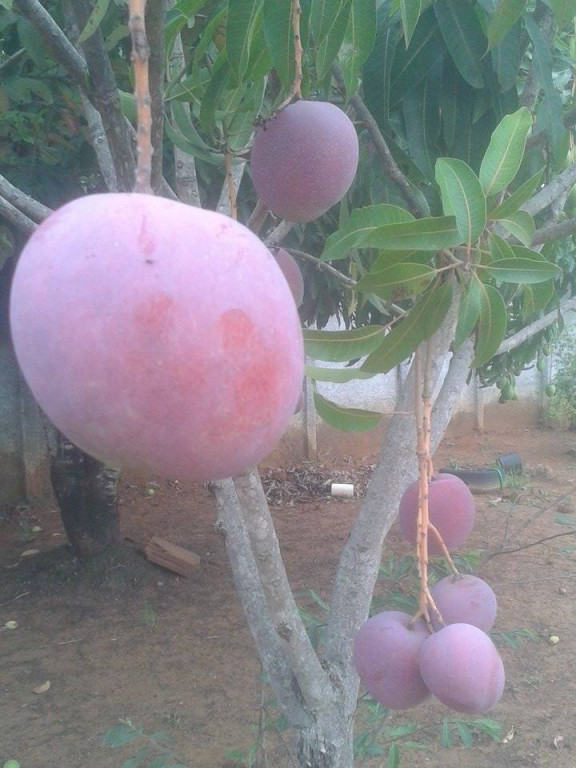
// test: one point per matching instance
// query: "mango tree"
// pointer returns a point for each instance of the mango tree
(451, 248)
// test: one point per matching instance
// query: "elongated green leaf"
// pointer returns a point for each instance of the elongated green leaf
(525, 267)
(403, 278)
(94, 20)
(278, 34)
(341, 346)
(345, 419)
(361, 223)
(413, 65)
(119, 735)
(464, 38)
(491, 325)
(421, 109)
(428, 234)
(468, 312)
(506, 57)
(323, 17)
(218, 82)
(537, 297)
(390, 258)
(335, 375)
(499, 249)
(393, 760)
(358, 42)
(328, 49)
(418, 325)
(564, 11)
(505, 16)
(185, 125)
(378, 68)
(243, 17)
(462, 197)
(521, 225)
(410, 13)
(456, 100)
(191, 148)
(550, 108)
(524, 192)
(505, 151)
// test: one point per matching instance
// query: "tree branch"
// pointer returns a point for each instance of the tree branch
(104, 93)
(55, 39)
(546, 196)
(19, 219)
(538, 325)
(28, 205)
(155, 16)
(555, 231)
(279, 233)
(312, 679)
(248, 585)
(412, 199)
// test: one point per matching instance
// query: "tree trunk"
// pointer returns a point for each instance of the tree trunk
(87, 493)
(328, 742)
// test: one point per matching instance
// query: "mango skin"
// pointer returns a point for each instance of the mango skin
(304, 160)
(462, 668)
(156, 336)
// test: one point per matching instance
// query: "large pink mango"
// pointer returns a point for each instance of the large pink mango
(451, 509)
(466, 599)
(386, 653)
(461, 667)
(304, 159)
(157, 336)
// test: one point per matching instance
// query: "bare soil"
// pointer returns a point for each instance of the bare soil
(121, 638)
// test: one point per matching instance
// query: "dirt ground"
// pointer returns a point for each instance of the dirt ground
(124, 639)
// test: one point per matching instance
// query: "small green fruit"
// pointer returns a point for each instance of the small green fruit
(540, 365)
(11, 764)
(550, 390)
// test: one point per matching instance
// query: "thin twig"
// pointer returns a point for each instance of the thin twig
(140, 56)
(28, 205)
(257, 217)
(12, 599)
(530, 544)
(19, 219)
(279, 233)
(230, 186)
(296, 88)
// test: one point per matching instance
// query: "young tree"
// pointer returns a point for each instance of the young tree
(453, 241)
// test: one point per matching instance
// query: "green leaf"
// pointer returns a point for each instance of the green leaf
(428, 234)
(417, 326)
(335, 375)
(420, 107)
(94, 20)
(468, 312)
(243, 19)
(521, 225)
(358, 42)
(191, 148)
(524, 192)
(499, 248)
(491, 325)
(536, 297)
(464, 733)
(526, 267)
(464, 38)
(411, 66)
(551, 106)
(462, 197)
(361, 223)
(410, 13)
(445, 734)
(328, 49)
(505, 16)
(404, 278)
(456, 99)
(564, 11)
(505, 151)
(119, 735)
(379, 65)
(341, 346)
(278, 34)
(393, 760)
(137, 760)
(345, 419)
(323, 17)
(506, 58)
